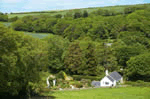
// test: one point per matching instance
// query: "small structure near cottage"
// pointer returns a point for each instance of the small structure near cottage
(95, 83)
(111, 79)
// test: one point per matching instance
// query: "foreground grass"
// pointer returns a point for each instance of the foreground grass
(106, 93)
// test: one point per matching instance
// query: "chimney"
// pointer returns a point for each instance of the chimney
(106, 72)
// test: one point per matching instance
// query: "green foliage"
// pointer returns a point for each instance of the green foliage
(85, 14)
(3, 17)
(61, 75)
(129, 10)
(138, 83)
(80, 77)
(36, 24)
(56, 48)
(138, 67)
(123, 54)
(131, 38)
(104, 12)
(77, 84)
(58, 16)
(13, 19)
(21, 60)
(73, 59)
(77, 15)
(61, 25)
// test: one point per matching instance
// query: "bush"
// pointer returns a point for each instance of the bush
(77, 84)
(138, 83)
(3, 17)
(79, 77)
(60, 75)
(13, 19)
(86, 82)
(62, 83)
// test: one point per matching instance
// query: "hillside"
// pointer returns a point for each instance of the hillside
(118, 8)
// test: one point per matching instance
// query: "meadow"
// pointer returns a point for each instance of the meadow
(105, 93)
(38, 35)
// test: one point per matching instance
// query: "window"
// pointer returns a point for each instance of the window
(107, 83)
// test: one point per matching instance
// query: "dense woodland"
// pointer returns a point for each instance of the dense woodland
(77, 46)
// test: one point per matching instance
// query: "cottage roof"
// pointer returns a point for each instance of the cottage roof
(110, 78)
(115, 75)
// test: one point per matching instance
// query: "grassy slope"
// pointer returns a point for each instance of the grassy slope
(63, 12)
(106, 93)
(38, 35)
(7, 24)
(35, 35)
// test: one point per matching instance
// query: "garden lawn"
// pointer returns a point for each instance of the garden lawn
(106, 93)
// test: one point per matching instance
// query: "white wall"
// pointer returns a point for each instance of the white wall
(105, 82)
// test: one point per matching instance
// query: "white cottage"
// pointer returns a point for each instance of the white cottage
(111, 79)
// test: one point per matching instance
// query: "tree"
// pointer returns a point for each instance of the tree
(56, 47)
(73, 32)
(124, 53)
(98, 31)
(131, 38)
(21, 59)
(90, 66)
(105, 56)
(13, 19)
(77, 15)
(129, 10)
(58, 16)
(61, 25)
(3, 17)
(74, 59)
(138, 67)
(85, 14)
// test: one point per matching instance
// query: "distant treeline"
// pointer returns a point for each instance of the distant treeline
(101, 23)
(36, 12)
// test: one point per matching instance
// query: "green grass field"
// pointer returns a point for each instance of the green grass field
(105, 93)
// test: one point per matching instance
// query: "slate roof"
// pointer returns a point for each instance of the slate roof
(115, 75)
(95, 83)
(110, 78)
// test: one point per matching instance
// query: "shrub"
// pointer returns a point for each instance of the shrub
(138, 83)
(86, 82)
(60, 75)
(77, 84)
(13, 19)
(79, 77)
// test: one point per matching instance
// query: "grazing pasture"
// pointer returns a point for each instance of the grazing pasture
(105, 93)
